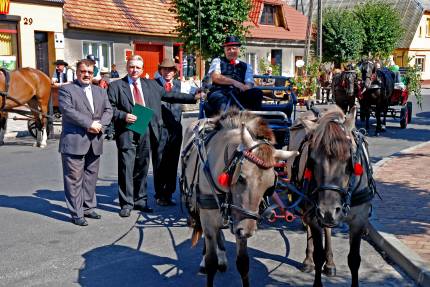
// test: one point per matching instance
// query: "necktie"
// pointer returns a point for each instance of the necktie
(168, 87)
(136, 95)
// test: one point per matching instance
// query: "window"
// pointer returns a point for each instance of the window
(251, 60)
(8, 46)
(101, 50)
(268, 16)
(428, 27)
(419, 61)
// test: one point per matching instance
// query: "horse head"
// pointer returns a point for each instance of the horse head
(330, 165)
(348, 82)
(367, 70)
(253, 172)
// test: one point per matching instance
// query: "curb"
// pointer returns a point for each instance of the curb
(402, 255)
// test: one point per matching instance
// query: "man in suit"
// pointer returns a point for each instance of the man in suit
(85, 111)
(166, 172)
(133, 148)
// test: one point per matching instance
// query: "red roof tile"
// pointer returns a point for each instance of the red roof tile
(127, 16)
(294, 21)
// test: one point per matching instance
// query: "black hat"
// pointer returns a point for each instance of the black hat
(60, 62)
(232, 41)
(92, 58)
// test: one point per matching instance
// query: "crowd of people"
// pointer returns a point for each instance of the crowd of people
(89, 103)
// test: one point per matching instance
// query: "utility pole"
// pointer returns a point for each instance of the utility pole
(319, 34)
(308, 32)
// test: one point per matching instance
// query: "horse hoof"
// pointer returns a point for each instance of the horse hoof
(1, 143)
(42, 145)
(329, 271)
(306, 268)
(202, 270)
(222, 268)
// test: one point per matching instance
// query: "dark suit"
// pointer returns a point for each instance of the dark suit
(170, 144)
(81, 150)
(134, 149)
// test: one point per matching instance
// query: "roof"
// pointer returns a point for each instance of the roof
(411, 12)
(294, 22)
(126, 16)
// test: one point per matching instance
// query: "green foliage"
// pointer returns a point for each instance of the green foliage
(312, 72)
(382, 27)
(219, 18)
(263, 65)
(343, 36)
(412, 79)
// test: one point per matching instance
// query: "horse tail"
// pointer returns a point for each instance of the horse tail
(197, 231)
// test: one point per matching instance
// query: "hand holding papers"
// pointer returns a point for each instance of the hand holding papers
(144, 116)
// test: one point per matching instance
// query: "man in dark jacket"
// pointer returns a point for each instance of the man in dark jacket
(232, 78)
(133, 148)
(166, 173)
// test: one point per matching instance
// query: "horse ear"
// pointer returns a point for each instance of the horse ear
(246, 137)
(350, 118)
(284, 154)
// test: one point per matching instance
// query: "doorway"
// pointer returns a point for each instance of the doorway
(42, 51)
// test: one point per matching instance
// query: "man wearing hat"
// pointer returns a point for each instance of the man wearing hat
(166, 172)
(62, 75)
(231, 77)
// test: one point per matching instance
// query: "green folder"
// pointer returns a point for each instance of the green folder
(144, 116)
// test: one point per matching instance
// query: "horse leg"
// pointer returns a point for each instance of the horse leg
(211, 259)
(3, 126)
(329, 267)
(354, 258)
(308, 263)
(220, 251)
(318, 255)
(242, 260)
(40, 121)
(378, 120)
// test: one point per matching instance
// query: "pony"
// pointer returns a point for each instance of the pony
(325, 81)
(344, 89)
(377, 90)
(335, 174)
(25, 86)
(237, 149)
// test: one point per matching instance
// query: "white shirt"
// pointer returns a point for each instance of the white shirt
(89, 94)
(139, 86)
(216, 67)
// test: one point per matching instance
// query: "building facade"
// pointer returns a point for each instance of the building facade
(31, 34)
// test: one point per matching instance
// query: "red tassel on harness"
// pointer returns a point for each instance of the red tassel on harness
(224, 179)
(358, 169)
(308, 174)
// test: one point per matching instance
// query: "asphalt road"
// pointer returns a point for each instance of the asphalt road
(40, 247)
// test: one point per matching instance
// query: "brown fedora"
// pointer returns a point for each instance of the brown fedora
(167, 63)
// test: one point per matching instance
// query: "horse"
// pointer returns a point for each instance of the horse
(377, 90)
(344, 88)
(25, 86)
(325, 80)
(237, 149)
(335, 174)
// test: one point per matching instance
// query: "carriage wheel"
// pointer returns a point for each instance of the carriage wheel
(409, 107)
(31, 126)
(404, 117)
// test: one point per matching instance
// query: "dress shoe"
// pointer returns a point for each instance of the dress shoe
(125, 212)
(80, 221)
(144, 208)
(93, 215)
(166, 202)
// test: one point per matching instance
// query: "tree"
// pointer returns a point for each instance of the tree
(343, 36)
(382, 27)
(218, 18)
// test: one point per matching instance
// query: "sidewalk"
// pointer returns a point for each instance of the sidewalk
(401, 221)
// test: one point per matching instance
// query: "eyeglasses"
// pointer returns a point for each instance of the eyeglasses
(86, 71)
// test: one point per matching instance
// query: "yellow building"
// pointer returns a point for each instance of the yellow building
(31, 34)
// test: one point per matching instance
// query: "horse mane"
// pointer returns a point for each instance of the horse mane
(330, 138)
(259, 129)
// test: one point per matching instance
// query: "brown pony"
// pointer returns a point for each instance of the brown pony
(238, 147)
(26, 86)
(335, 172)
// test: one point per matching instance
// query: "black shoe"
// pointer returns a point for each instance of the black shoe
(80, 221)
(93, 215)
(166, 202)
(144, 208)
(124, 212)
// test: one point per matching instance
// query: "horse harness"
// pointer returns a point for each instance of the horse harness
(351, 196)
(218, 199)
